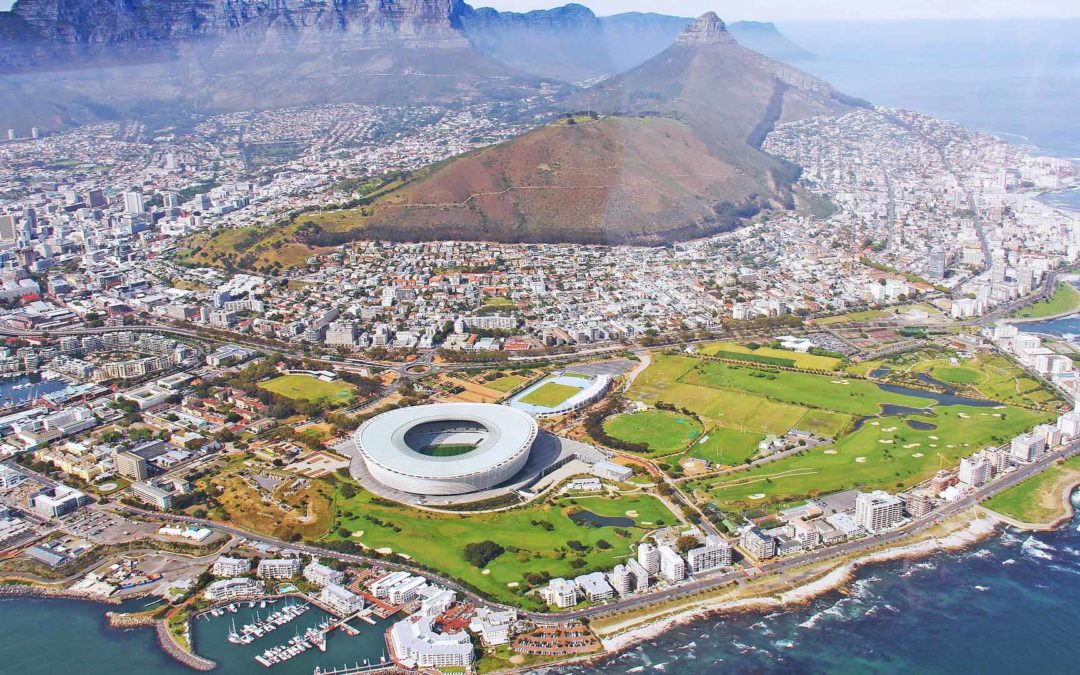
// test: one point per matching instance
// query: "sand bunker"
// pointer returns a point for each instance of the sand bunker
(830, 452)
(632, 514)
(385, 550)
(759, 495)
(917, 455)
(886, 441)
(860, 460)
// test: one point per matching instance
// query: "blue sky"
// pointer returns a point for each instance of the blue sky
(805, 10)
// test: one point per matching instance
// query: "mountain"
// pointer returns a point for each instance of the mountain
(668, 151)
(75, 60)
(571, 43)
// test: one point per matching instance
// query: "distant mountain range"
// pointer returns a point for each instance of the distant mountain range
(64, 62)
(669, 150)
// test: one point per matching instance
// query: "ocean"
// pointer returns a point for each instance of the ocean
(1017, 78)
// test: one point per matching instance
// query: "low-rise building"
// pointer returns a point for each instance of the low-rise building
(492, 626)
(594, 586)
(341, 601)
(279, 568)
(757, 544)
(321, 575)
(415, 644)
(231, 567)
(233, 589)
(562, 593)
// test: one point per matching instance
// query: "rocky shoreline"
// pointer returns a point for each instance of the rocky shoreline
(21, 590)
(978, 529)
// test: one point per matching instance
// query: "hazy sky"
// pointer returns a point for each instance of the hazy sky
(801, 10)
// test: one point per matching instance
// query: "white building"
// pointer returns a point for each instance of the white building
(405, 591)
(715, 553)
(878, 510)
(758, 544)
(416, 645)
(493, 627)
(672, 565)
(321, 575)
(975, 471)
(560, 592)
(648, 557)
(594, 586)
(10, 478)
(640, 574)
(341, 601)
(1069, 424)
(232, 589)
(1026, 447)
(622, 580)
(380, 588)
(231, 567)
(279, 568)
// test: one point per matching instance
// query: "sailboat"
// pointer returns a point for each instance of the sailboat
(234, 637)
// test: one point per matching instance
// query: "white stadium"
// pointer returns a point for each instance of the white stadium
(447, 448)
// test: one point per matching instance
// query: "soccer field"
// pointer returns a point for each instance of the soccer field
(550, 395)
(308, 388)
(664, 432)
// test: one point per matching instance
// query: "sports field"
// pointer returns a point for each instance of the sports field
(550, 395)
(726, 446)
(308, 388)
(447, 449)
(507, 383)
(1065, 299)
(535, 537)
(664, 432)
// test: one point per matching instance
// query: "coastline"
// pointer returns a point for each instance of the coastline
(1069, 511)
(977, 528)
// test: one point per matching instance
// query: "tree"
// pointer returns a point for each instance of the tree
(479, 554)
(686, 542)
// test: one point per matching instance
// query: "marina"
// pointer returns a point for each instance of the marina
(292, 632)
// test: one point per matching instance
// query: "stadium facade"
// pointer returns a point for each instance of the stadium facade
(446, 448)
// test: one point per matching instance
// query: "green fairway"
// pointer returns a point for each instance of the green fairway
(886, 453)
(733, 409)
(1039, 499)
(664, 432)
(506, 383)
(550, 395)
(726, 446)
(308, 388)
(447, 449)
(1065, 299)
(438, 540)
(824, 423)
(854, 396)
(956, 375)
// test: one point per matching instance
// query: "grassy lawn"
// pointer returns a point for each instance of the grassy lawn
(857, 397)
(732, 409)
(550, 395)
(886, 453)
(664, 432)
(438, 540)
(797, 359)
(956, 375)
(1066, 298)
(308, 514)
(824, 423)
(1038, 499)
(726, 446)
(308, 388)
(853, 316)
(507, 383)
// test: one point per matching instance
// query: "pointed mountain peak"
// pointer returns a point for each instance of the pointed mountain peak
(707, 29)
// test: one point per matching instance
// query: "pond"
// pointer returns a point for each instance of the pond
(590, 519)
(918, 425)
(938, 397)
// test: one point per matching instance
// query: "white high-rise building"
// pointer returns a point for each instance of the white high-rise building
(1027, 447)
(878, 510)
(672, 565)
(133, 202)
(649, 557)
(622, 580)
(1069, 424)
(640, 574)
(715, 553)
(974, 471)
